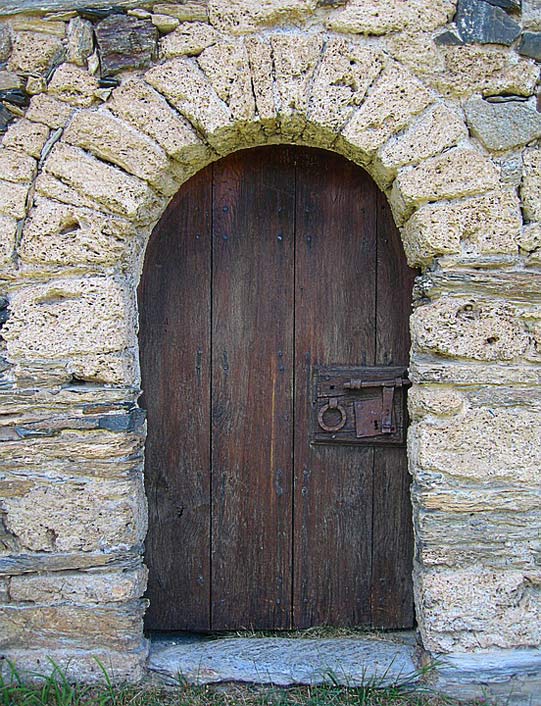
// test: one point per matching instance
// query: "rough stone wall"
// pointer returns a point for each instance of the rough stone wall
(104, 116)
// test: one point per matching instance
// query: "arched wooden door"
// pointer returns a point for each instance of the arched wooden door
(274, 310)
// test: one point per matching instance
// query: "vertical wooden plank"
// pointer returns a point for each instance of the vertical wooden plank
(392, 588)
(335, 319)
(174, 340)
(253, 242)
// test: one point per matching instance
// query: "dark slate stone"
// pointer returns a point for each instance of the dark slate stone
(133, 421)
(125, 42)
(530, 45)
(506, 4)
(482, 23)
(448, 38)
(5, 118)
(15, 96)
(11, 7)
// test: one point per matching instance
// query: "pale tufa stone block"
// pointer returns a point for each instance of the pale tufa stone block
(183, 83)
(341, 81)
(49, 111)
(164, 23)
(35, 85)
(530, 190)
(79, 515)
(84, 587)
(81, 666)
(74, 85)
(120, 368)
(226, 67)
(434, 131)
(490, 70)
(26, 136)
(13, 199)
(418, 52)
(474, 609)
(16, 166)
(100, 183)
(381, 16)
(117, 626)
(529, 238)
(486, 224)
(66, 317)
(262, 68)
(492, 445)
(474, 329)
(141, 106)
(453, 174)
(113, 140)
(189, 39)
(394, 99)
(242, 16)
(60, 234)
(295, 59)
(437, 400)
(8, 237)
(35, 53)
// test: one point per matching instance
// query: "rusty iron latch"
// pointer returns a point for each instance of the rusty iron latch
(375, 416)
(359, 405)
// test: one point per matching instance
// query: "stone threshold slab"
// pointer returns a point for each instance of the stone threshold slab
(348, 661)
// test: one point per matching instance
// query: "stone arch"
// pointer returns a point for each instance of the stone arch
(79, 221)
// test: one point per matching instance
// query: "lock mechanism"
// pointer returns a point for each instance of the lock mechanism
(363, 406)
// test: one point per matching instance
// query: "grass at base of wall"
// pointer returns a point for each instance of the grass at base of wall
(56, 690)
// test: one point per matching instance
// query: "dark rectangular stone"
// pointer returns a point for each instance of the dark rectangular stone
(480, 22)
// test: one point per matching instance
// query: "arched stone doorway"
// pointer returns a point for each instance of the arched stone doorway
(275, 276)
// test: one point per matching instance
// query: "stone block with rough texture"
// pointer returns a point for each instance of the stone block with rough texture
(116, 142)
(489, 444)
(35, 53)
(240, 16)
(16, 166)
(394, 99)
(475, 609)
(62, 319)
(531, 184)
(381, 16)
(189, 39)
(227, 68)
(434, 131)
(57, 234)
(183, 83)
(72, 84)
(125, 43)
(13, 199)
(490, 223)
(468, 328)
(456, 173)
(106, 185)
(341, 81)
(138, 104)
(8, 235)
(295, 59)
(49, 111)
(27, 137)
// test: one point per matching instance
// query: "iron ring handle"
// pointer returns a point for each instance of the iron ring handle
(332, 404)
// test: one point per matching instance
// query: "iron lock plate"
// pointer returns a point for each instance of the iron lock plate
(363, 406)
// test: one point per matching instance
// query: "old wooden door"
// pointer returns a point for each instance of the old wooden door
(274, 277)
